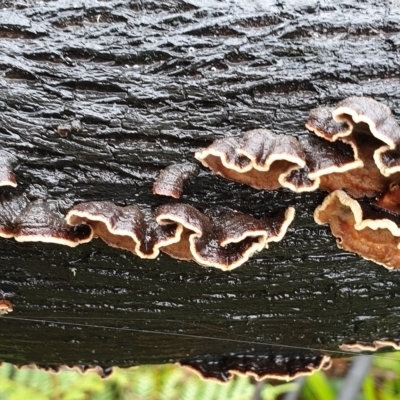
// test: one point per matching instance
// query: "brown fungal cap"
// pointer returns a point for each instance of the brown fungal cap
(7, 176)
(320, 122)
(5, 307)
(366, 114)
(37, 223)
(372, 234)
(260, 367)
(323, 159)
(390, 201)
(259, 159)
(170, 181)
(223, 239)
(124, 227)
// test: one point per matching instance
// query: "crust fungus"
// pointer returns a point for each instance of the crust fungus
(170, 181)
(264, 160)
(260, 159)
(221, 238)
(5, 307)
(35, 222)
(7, 177)
(361, 115)
(260, 367)
(102, 372)
(327, 169)
(124, 227)
(358, 347)
(361, 228)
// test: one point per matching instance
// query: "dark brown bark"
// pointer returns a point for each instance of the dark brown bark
(96, 99)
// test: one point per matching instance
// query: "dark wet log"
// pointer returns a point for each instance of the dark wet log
(96, 99)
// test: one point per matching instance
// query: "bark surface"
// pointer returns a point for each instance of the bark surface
(97, 96)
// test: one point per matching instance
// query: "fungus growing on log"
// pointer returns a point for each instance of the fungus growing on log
(221, 238)
(358, 347)
(124, 227)
(361, 115)
(259, 159)
(260, 367)
(320, 122)
(5, 307)
(36, 222)
(372, 234)
(170, 180)
(326, 163)
(102, 372)
(390, 201)
(264, 160)
(7, 176)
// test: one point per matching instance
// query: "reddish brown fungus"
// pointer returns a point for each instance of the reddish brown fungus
(259, 159)
(358, 227)
(124, 227)
(221, 238)
(170, 181)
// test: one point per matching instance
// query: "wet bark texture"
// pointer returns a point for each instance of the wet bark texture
(95, 99)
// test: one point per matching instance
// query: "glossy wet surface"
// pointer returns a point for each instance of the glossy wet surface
(136, 87)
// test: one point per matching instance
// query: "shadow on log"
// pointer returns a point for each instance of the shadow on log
(96, 99)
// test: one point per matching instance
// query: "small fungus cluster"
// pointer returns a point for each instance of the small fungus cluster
(353, 153)
(223, 368)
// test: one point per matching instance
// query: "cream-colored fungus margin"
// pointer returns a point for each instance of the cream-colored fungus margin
(183, 232)
(36, 222)
(124, 227)
(382, 125)
(238, 236)
(375, 236)
(268, 161)
(358, 347)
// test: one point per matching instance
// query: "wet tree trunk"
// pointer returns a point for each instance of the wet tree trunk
(95, 99)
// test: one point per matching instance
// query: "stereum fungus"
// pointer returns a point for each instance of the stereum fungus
(355, 152)
(224, 368)
(170, 180)
(369, 228)
(267, 161)
(223, 238)
(35, 222)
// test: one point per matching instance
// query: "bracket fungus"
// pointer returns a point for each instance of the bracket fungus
(170, 180)
(267, 161)
(260, 159)
(221, 238)
(7, 176)
(36, 222)
(325, 171)
(124, 227)
(260, 367)
(361, 115)
(361, 228)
